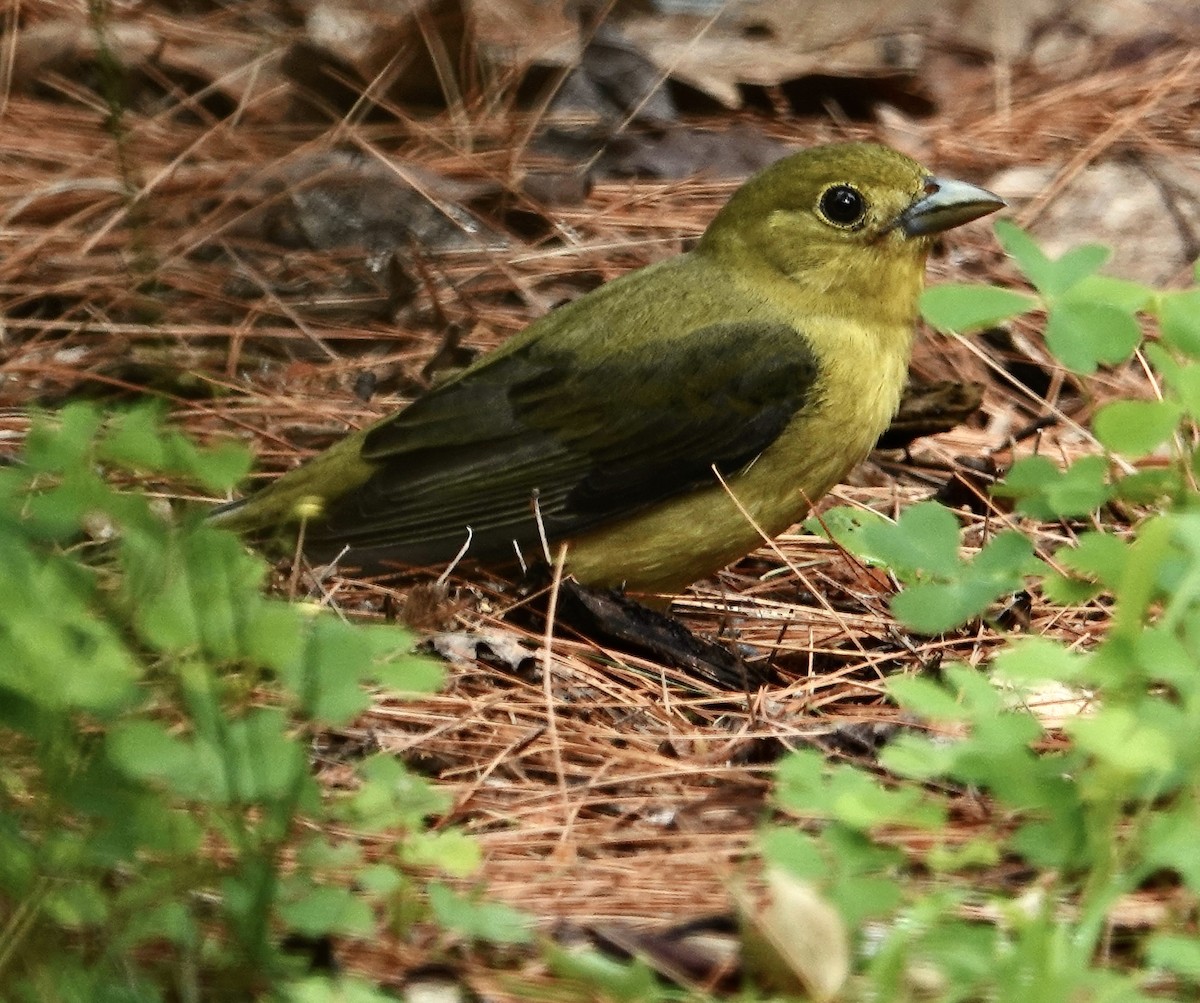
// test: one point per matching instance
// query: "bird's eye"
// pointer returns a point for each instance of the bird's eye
(843, 205)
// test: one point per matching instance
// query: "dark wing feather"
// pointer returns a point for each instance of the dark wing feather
(590, 444)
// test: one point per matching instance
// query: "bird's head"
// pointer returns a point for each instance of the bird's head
(856, 218)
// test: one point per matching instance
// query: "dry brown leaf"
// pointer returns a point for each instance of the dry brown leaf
(336, 199)
(463, 647)
(411, 49)
(717, 47)
(1147, 209)
(65, 44)
(246, 70)
(518, 33)
(766, 44)
(792, 938)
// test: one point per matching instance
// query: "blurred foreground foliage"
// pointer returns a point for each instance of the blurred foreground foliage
(1093, 817)
(162, 835)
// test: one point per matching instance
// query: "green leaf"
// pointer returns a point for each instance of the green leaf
(54, 650)
(986, 706)
(805, 784)
(327, 678)
(61, 512)
(63, 442)
(1039, 659)
(1100, 555)
(795, 851)
(1176, 953)
(318, 853)
(1051, 278)
(192, 591)
(1056, 843)
(925, 698)
(275, 634)
(135, 440)
(169, 921)
(922, 549)
(75, 904)
(1179, 321)
(251, 760)
(917, 757)
(1136, 427)
(391, 796)
(1044, 491)
(864, 805)
(844, 524)
(1074, 267)
(492, 922)
(451, 851)
(1162, 655)
(605, 977)
(866, 896)
(1185, 382)
(1097, 561)
(1084, 335)
(147, 749)
(321, 989)
(1171, 841)
(18, 859)
(1131, 297)
(409, 675)
(220, 468)
(379, 880)
(261, 761)
(1151, 486)
(1080, 489)
(1117, 737)
(969, 307)
(315, 910)
(1065, 590)
(937, 607)
(924, 539)
(800, 778)
(395, 666)
(998, 569)
(1023, 249)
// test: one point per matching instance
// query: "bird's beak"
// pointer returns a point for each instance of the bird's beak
(945, 204)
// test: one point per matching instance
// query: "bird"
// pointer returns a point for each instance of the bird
(656, 429)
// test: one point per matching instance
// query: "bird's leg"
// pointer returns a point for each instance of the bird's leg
(610, 616)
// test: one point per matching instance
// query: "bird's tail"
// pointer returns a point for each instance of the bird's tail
(225, 514)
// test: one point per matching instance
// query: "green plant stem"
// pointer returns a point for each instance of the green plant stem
(20, 923)
(1138, 585)
(114, 89)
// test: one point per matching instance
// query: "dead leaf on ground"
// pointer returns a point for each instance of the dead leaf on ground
(767, 44)
(793, 940)
(466, 648)
(614, 111)
(410, 50)
(1147, 209)
(338, 199)
(66, 45)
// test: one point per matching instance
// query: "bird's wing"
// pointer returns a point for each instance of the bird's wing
(580, 445)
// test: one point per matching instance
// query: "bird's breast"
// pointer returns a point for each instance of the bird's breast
(855, 396)
(862, 372)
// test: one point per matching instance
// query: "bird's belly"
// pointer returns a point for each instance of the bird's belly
(689, 537)
(667, 547)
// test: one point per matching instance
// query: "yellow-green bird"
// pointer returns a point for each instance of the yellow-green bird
(772, 355)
